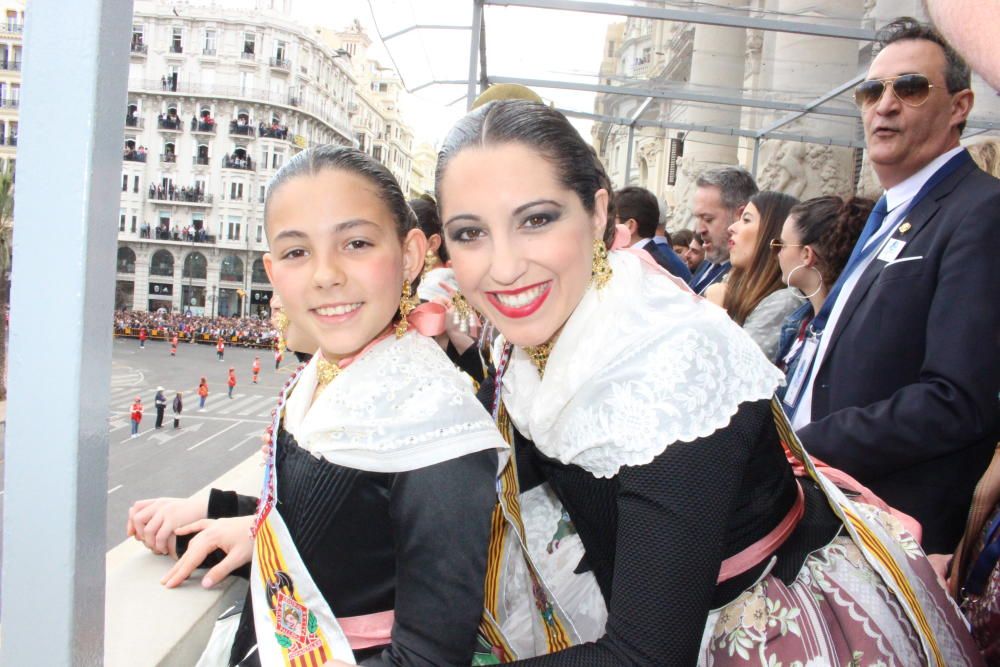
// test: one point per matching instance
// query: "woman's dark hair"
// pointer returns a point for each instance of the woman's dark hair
(748, 287)
(430, 222)
(315, 160)
(832, 227)
(542, 129)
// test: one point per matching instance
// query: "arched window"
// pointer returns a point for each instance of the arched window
(162, 264)
(126, 260)
(232, 269)
(258, 274)
(195, 266)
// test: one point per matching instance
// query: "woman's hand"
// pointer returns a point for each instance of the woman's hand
(154, 521)
(232, 535)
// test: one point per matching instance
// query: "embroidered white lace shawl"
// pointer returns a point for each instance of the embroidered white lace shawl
(639, 365)
(402, 405)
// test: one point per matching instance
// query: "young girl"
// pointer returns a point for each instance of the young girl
(372, 530)
(706, 547)
(202, 393)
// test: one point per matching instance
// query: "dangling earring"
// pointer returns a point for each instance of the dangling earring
(407, 303)
(281, 322)
(805, 297)
(431, 260)
(464, 317)
(600, 274)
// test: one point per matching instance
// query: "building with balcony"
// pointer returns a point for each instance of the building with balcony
(377, 122)
(422, 173)
(11, 31)
(218, 99)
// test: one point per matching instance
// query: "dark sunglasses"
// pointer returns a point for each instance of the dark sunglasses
(910, 89)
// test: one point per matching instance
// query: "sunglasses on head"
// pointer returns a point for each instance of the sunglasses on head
(910, 89)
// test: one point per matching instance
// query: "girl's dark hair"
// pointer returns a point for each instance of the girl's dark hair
(430, 222)
(315, 160)
(831, 226)
(542, 129)
(748, 287)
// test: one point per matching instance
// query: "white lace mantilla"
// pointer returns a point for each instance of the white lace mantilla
(640, 365)
(402, 405)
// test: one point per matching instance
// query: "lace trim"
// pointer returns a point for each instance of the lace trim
(403, 397)
(642, 366)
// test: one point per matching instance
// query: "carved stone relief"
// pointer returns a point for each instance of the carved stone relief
(805, 170)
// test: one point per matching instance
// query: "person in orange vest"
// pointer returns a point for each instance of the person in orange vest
(202, 394)
(220, 348)
(255, 368)
(231, 381)
(143, 335)
(173, 345)
(136, 416)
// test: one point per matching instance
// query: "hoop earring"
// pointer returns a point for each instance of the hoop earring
(600, 273)
(816, 291)
(407, 302)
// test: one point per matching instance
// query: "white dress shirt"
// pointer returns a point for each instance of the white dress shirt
(898, 199)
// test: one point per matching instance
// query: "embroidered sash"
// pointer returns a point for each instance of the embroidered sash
(878, 547)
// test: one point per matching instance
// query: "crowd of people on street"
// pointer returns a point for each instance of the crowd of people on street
(617, 472)
(241, 331)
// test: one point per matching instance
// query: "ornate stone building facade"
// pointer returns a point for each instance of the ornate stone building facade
(377, 123)
(778, 66)
(11, 32)
(218, 99)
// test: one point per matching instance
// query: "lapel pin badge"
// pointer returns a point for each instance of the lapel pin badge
(905, 227)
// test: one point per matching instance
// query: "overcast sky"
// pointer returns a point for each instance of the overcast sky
(524, 43)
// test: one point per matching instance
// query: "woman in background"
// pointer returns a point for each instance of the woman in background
(816, 240)
(753, 293)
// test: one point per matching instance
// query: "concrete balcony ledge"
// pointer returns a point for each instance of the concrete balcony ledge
(147, 624)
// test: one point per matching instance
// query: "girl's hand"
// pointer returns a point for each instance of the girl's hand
(154, 521)
(231, 535)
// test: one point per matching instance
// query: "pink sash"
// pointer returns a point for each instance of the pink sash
(368, 630)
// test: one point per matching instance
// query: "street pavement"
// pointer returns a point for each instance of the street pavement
(178, 462)
(169, 462)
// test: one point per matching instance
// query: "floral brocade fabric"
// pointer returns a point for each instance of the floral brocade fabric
(837, 612)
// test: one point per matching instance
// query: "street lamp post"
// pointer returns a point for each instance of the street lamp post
(215, 300)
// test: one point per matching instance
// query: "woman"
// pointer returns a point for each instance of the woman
(427, 217)
(372, 529)
(753, 293)
(438, 281)
(178, 406)
(816, 240)
(673, 474)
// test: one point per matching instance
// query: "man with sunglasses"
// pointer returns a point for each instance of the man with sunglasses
(903, 371)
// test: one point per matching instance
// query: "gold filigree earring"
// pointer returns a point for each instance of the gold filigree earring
(407, 303)
(431, 261)
(600, 274)
(463, 316)
(281, 323)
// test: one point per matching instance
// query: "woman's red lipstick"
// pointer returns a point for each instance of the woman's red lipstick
(520, 310)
